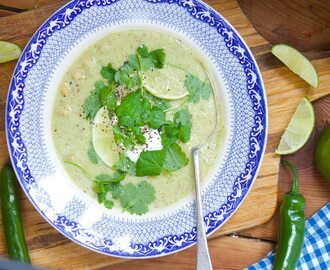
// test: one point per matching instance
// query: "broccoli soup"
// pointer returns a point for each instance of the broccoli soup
(126, 115)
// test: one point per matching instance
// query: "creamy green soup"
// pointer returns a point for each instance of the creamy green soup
(73, 133)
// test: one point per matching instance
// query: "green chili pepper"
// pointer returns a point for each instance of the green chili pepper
(292, 225)
(11, 219)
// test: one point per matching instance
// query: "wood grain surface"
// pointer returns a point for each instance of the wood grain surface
(304, 24)
(284, 90)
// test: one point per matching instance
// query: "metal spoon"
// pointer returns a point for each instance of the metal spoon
(203, 261)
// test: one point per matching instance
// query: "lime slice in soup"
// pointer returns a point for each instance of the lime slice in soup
(166, 83)
(103, 138)
(9, 51)
(299, 129)
(297, 62)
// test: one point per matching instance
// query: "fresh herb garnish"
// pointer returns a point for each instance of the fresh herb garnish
(108, 73)
(133, 198)
(150, 163)
(127, 75)
(183, 119)
(130, 73)
(197, 89)
(125, 165)
(116, 177)
(156, 118)
(133, 110)
(108, 98)
(179, 129)
(175, 158)
(108, 204)
(93, 103)
(92, 154)
(136, 198)
(136, 110)
(122, 137)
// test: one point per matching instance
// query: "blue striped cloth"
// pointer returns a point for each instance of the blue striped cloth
(316, 251)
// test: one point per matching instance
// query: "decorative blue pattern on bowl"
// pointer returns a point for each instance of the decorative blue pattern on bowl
(26, 121)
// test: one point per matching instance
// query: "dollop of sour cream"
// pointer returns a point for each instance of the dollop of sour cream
(153, 143)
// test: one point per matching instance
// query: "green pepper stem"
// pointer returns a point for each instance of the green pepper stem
(293, 169)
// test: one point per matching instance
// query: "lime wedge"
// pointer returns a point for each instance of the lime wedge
(166, 83)
(297, 62)
(9, 51)
(103, 138)
(299, 129)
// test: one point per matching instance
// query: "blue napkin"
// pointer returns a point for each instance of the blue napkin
(316, 250)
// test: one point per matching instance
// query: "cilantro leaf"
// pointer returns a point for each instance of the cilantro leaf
(108, 204)
(157, 57)
(101, 197)
(171, 130)
(183, 119)
(157, 102)
(102, 188)
(129, 109)
(127, 137)
(133, 62)
(108, 98)
(108, 73)
(91, 106)
(140, 138)
(134, 81)
(175, 158)
(179, 129)
(197, 89)
(184, 133)
(137, 134)
(125, 164)
(169, 134)
(116, 177)
(154, 59)
(133, 110)
(127, 75)
(93, 103)
(117, 133)
(167, 141)
(122, 75)
(150, 163)
(143, 51)
(92, 154)
(116, 191)
(135, 199)
(157, 118)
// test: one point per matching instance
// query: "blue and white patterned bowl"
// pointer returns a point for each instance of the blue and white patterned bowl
(31, 95)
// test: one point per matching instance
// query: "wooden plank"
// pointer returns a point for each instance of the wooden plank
(4, 13)
(312, 185)
(306, 27)
(284, 91)
(252, 213)
(247, 252)
(26, 4)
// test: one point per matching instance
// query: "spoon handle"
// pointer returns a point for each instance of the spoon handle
(203, 257)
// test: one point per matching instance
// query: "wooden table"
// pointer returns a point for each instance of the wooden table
(232, 251)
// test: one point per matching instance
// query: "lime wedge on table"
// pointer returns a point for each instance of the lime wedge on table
(166, 83)
(103, 138)
(9, 51)
(297, 62)
(299, 129)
